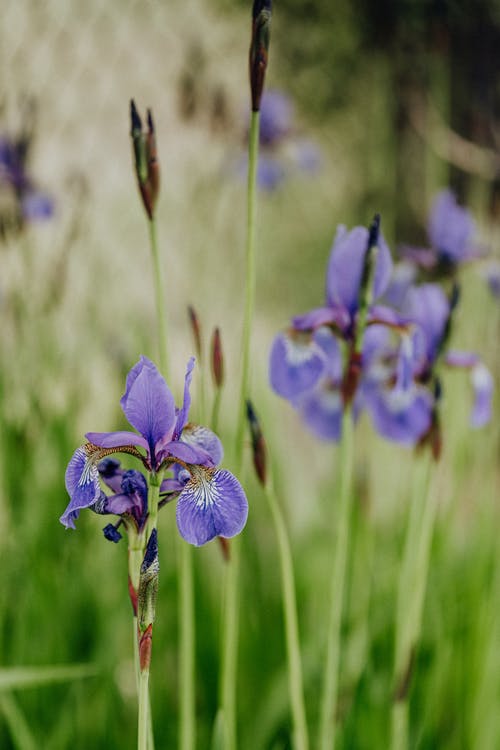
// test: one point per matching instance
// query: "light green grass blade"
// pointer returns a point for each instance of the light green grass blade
(15, 678)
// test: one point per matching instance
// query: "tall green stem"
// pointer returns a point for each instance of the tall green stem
(143, 729)
(331, 673)
(411, 594)
(295, 681)
(231, 603)
(159, 299)
(187, 730)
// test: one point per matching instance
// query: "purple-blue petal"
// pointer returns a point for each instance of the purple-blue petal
(211, 504)
(321, 411)
(482, 382)
(182, 416)
(296, 365)
(37, 206)
(451, 228)
(322, 316)
(403, 276)
(276, 115)
(148, 403)
(428, 306)
(82, 485)
(116, 439)
(403, 417)
(329, 345)
(202, 438)
(190, 454)
(111, 473)
(455, 358)
(346, 264)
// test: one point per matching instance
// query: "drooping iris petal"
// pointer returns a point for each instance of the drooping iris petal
(296, 365)
(428, 306)
(483, 385)
(321, 316)
(148, 403)
(211, 504)
(321, 411)
(401, 416)
(451, 228)
(116, 439)
(182, 416)
(201, 437)
(82, 484)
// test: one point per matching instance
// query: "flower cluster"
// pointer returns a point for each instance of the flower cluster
(210, 500)
(379, 341)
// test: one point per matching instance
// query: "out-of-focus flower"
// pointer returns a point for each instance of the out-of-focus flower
(211, 501)
(21, 201)
(282, 152)
(491, 274)
(307, 366)
(451, 230)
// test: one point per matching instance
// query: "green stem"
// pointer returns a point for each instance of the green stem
(231, 604)
(159, 299)
(143, 730)
(216, 409)
(331, 672)
(187, 731)
(295, 681)
(411, 594)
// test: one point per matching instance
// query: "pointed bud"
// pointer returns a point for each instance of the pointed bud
(259, 48)
(111, 532)
(258, 444)
(196, 330)
(145, 161)
(224, 548)
(217, 359)
(148, 584)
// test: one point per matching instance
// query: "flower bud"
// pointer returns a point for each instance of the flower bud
(146, 599)
(196, 330)
(145, 159)
(258, 444)
(259, 48)
(217, 359)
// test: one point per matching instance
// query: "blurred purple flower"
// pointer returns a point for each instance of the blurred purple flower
(32, 204)
(211, 502)
(451, 230)
(276, 117)
(491, 274)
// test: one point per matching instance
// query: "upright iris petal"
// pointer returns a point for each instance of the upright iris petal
(451, 228)
(182, 416)
(428, 306)
(148, 403)
(211, 504)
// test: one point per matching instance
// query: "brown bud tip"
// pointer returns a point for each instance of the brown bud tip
(258, 444)
(224, 548)
(217, 359)
(259, 49)
(196, 330)
(151, 125)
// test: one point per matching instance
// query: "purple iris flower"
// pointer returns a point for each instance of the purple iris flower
(306, 364)
(211, 501)
(450, 229)
(402, 400)
(276, 117)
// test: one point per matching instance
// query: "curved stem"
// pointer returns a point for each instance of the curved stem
(295, 681)
(331, 672)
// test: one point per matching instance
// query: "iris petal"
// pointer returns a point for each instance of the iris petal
(201, 437)
(82, 484)
(211, 504)
(295, 365)
(483, 385)
(182, 416)
(451, 228)
(148, 403)
(116, 439)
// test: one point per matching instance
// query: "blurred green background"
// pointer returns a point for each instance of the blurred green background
(400, 99)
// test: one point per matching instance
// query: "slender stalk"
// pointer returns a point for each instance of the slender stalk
(187, 729)
(231, 604)
(159, 299)
(143, 730)
(411, 594)
(331, 673)
(295, 681)
(214, 422)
